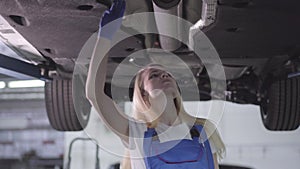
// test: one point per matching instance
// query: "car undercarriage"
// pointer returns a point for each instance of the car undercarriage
(257, 42)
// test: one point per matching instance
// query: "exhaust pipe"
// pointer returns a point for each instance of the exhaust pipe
(192, 13)
(172, 7)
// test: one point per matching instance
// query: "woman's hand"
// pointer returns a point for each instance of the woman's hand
(111, 19)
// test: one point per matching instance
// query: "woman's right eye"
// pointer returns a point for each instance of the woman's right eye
(153, 75)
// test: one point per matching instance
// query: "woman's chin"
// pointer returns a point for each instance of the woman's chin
(167, 92)
(157, 93)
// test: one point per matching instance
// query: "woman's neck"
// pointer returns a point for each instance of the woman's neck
(170, 115)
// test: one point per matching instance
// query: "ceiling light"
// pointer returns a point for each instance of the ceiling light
(2, 85)
(131, 59)
(26, 83)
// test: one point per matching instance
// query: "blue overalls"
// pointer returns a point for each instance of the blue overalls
(178, 154)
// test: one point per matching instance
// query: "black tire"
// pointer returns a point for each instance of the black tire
(60, 106)
(280, 110)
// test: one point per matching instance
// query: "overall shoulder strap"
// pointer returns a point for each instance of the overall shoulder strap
(203, 138)
(146, 145)
(149, 133)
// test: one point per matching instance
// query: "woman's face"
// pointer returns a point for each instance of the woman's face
(158, 79)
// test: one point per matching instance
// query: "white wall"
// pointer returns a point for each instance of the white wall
(24, 128)
(250, 144)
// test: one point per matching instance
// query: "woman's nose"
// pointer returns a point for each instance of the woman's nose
(164, 75)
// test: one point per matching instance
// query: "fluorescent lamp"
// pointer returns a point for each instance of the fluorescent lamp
(26, 83)
(2, 85)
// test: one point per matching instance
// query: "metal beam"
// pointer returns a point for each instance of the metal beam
(20, 69)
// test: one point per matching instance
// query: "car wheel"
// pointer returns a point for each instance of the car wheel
(280, 110)
(60, 106)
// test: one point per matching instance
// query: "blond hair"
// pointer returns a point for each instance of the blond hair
(140, 107)
(142, 111)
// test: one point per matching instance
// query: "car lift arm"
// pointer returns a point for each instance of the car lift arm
(14, 66)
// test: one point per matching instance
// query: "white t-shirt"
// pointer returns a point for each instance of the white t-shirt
(164, 133)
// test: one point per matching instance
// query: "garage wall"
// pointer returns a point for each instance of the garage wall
(250, 144)
(25, 132)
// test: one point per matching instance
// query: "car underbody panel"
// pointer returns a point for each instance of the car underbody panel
(257, 42)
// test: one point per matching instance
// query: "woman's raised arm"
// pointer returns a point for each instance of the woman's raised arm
(104, 105)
